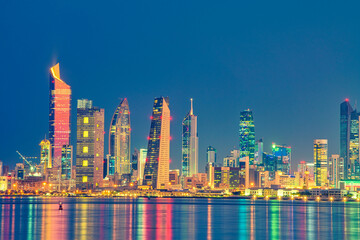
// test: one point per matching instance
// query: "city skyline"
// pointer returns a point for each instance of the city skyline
(280, 69)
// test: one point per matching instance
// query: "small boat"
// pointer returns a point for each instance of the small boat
(60, 206)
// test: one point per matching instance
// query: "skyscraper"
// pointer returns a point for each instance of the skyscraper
(283, 156)
(320, 161)
(349, 141)
(247, 135)
(59, 114)
(259, 149)
(141, 165)
(190, 140)
(89, 146)
(156, 172)
(119, 140)
(211, 155)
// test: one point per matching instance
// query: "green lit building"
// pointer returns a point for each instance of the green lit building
(247, 135)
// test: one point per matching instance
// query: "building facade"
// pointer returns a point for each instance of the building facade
(119, 140)
(190, 145)
(156, 172)
(247, 135)
(59, 115)
(89, 146)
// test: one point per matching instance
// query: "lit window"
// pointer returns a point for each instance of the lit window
(86, 120)
(97, 168)
(84, 179)
(85, 134)
(85, 163)
(85, 149)
(97, 154)
(97, 139)
(97, 125)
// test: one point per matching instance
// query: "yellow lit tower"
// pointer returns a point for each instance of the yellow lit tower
(320, 161)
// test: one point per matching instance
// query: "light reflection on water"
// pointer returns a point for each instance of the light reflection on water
(87, 218)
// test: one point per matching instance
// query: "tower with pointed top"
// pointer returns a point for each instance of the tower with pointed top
(119, 140)
(190, 143)
(156, 172)
(59, 114)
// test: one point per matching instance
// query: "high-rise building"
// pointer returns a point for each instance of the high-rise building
(349, 141)
(333, 170)
(190, 146)
(247, 135)
(89, 146)
(283, 155)
(1, 168)
(232, 160)
(45, 154)
(141, 164)
(320, 161)
(119, 140)
(156, 172)
(59, 115)
(66, 162)
(211, 155)
(259, 149)
(354, 165)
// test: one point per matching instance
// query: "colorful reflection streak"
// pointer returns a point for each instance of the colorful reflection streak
(163, 218)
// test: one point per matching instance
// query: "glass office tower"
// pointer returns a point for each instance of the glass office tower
(156, 172)
(247, 135)
(190, 143)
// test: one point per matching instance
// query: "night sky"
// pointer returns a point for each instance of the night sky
(291, 62)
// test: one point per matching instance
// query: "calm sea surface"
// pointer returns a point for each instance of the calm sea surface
(88, 218)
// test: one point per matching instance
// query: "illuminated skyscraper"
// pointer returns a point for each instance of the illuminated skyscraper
(190, 153)
(89, 146)
(45, 154)
(156, 172)
(119, 140)
(349, 141)
(247, 135)
(320, 161)
(59, 115)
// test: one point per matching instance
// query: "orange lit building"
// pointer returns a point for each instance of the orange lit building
(59, 114)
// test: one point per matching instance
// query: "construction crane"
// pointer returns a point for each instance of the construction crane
(32, 168)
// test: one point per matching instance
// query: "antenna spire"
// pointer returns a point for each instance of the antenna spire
(191, 109)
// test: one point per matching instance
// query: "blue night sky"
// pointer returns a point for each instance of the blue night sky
(292, 62)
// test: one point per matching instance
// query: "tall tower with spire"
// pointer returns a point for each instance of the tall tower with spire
(190, 144)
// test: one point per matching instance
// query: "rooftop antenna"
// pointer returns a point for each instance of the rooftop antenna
(191, 109)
